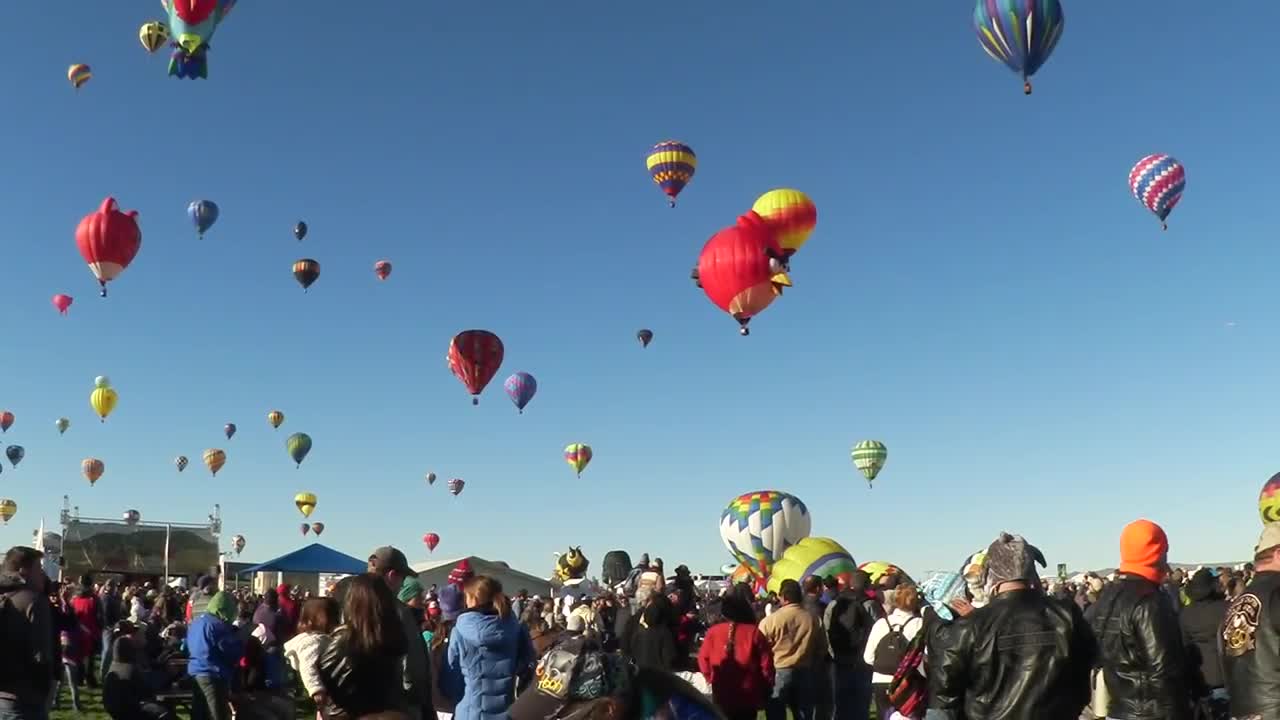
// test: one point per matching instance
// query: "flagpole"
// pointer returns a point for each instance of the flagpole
(167, 529)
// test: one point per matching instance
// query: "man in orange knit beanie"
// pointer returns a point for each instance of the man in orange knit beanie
(1139, 640)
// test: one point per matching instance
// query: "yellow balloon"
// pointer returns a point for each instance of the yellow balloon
(306, 503)
(275, 417)
(215, 459)
(8, 509)
(103, 401)
(790, 214)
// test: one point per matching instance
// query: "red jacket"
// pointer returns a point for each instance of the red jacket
(743, 682)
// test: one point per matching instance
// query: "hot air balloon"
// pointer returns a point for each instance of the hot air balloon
(474, 358)
(1158, 181)
(192, 24)
(102, 381)
(431, 540)
(131, 517)
(237, 544)
(6, 421)
(306, 271)
(275, 418)
(62, 303)
(62, 424)
(1019, 33)
(790, 215)
(742, 270)
(306, 503)
(1269, 500)
(78, 75)
(300, 230)
(317, 528)
(92, 469)
(15, 453)
(103, 400)
(431, 478)
(181, 463)
(305, 528)
(456, 485)
(671, 165)
(521, 388)
(229, 429)
(8, 509)
(645, 336)
(108, 241)
(758, 527)
(382, 269)
(868, 457)
(813, 557)
(214, 459)
(153, 35)
(878, 569)
(298, 445)
(203, 214)
(578, 456)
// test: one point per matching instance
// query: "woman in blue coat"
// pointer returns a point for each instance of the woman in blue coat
(488, 649)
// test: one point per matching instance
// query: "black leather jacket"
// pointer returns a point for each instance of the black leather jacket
(359, 684)
(1022, 657)
(1251, 649)
(1140, 649)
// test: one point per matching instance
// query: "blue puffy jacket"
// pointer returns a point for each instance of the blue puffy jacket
(214, 647)
(486, 653)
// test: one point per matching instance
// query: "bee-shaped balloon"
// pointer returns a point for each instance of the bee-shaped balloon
(572, 565)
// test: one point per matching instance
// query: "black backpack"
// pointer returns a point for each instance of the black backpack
(849, 627)
(892, 648)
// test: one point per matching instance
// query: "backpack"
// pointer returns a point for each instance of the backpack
(849, 626)
(892, 649)
(908, 690)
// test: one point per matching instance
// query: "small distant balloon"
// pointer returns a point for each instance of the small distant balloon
(237, 544)
(62, 424)
(578, 456)
(317, 528)
(306, 503)
(431, 478)
(132, 517)
(382, 269)
(306, 271)
(214, 459)
(15, 453)
(78, 75)
(521, 387)
(62, 303)
(92, 469)
(300, 230)
(180, 462)
(298, 445)
(102, 381)
(431, 540)
(203, 213)
(275, 418)
(6, 421)
(8, 509)
(229, 429)
(645, 336)
(306, 528)
(153, 35)
(456, 485)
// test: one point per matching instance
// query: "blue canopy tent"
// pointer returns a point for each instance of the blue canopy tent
(314, 558)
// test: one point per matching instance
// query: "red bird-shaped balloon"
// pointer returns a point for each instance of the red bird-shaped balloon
(108, 240)
(742, 270)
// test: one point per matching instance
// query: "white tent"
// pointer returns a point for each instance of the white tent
(513, 581)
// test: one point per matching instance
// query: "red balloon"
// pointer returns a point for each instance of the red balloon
(108, 240)
(741, 269)
(474, 358)
(432, 540)
(194, 12)
(382, 269)
(62, 302)
(6, 421)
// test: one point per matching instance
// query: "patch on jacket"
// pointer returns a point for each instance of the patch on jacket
(1241, 626)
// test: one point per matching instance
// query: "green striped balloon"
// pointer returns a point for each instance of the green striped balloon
(298, 445)
(869, 457)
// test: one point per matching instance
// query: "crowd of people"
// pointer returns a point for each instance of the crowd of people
(1143, 643)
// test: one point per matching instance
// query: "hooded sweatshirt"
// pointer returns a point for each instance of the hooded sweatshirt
(27, 673)
(486, 653)
(213, 643)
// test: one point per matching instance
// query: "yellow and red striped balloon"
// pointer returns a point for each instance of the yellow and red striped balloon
(790, 214)
(79, 74)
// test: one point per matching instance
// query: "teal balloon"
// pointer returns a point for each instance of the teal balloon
(298, 445)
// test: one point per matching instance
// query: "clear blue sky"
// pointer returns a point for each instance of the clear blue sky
(982, 292)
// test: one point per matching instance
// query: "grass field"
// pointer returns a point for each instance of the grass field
(91, 701)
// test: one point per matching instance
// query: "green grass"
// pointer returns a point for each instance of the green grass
(91, 701)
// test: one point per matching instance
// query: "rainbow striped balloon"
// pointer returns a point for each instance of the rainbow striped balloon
(671, 165)
(79, 74)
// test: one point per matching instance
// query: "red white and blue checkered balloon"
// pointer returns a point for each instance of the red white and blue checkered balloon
(1157, 181)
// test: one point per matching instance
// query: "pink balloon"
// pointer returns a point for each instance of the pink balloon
(62, 302)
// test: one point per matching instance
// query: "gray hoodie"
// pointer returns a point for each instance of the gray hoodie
(28, 662)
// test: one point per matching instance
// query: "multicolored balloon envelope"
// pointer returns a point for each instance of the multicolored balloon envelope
(869, 457)
(8, 509)
(203, 213)
(306, 271)
(191, 25)
(237, 544)
(1269, 500)
(521, 387)
(578, 456)
(671, 165)
(813, 557)
(1158, 181)
(298, 445)
(214, 459)
(790, 214)
(456, 485)
(1021, 34)
(78, 75)
(758, 527)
